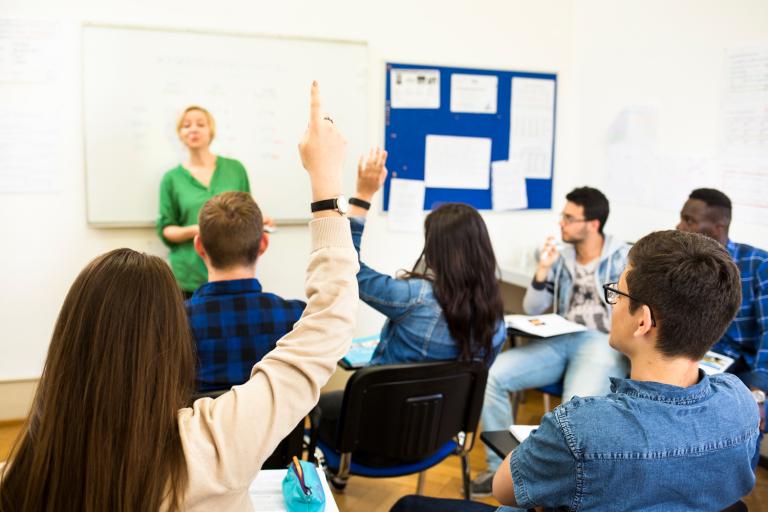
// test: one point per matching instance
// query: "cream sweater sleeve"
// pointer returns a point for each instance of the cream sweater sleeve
(226, 440)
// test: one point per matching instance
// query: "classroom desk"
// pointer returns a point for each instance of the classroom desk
(266, 492)
(514, 282)
(500, 441)
(517, 276)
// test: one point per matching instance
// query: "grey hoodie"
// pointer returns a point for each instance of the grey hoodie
(559, 281)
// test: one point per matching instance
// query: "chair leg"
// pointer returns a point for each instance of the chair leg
(465, 477)
(420, 483)
(547, 403)
(517, 397)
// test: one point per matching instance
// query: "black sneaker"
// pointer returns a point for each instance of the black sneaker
(482, 485)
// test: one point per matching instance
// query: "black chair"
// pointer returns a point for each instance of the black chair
(293, 444)
(403, 419)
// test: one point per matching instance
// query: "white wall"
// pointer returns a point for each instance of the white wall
(45, 238)
(668, 55)
(608, 55)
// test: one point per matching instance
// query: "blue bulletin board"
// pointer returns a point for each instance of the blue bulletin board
(407, 128)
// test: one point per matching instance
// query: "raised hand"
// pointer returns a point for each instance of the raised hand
(322, 150)
(371, 173)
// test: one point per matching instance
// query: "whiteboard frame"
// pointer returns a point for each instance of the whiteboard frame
(160, 28)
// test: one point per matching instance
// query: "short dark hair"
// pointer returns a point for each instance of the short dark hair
(231, 227)
(691, 284)
(719, 205)
(593, 201)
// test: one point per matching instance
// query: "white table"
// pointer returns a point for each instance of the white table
(267, 493)
(517, 276)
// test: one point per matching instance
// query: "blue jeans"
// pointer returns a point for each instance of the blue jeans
(583, 360)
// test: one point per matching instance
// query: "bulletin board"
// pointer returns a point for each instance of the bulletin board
(439, 119)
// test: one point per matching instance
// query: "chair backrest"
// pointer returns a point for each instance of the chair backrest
(291, 445)
(407, 412)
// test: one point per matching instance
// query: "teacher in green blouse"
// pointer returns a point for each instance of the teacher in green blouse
(185, 188)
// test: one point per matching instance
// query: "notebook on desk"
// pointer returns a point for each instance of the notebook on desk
(542, 326)
(713, 363)
(361, 351)
(521, 432)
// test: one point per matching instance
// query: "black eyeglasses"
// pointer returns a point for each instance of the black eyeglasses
(612, 292)
(569, 219)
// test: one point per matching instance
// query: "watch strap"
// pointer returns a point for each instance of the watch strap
(360, 203)
(325, 204)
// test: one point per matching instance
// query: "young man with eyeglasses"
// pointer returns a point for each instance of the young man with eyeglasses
(669, 437)
(569, 280)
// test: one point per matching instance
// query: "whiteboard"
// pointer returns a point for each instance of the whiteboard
(136, 82)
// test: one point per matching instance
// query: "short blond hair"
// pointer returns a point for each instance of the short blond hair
(208, 116)
(231, 227)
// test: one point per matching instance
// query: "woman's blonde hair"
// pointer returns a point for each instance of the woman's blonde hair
(208, 116)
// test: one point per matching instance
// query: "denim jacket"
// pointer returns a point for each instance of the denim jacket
(559, 281)
(645, 446)
(415, 329)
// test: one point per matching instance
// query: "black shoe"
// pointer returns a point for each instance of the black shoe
(482, 485)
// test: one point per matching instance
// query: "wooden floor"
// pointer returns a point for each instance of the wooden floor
(444, 480)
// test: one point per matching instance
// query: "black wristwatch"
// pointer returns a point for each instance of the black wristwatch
(340, 204)
(365, 205)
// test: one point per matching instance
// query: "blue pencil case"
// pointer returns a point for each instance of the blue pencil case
(302, 489)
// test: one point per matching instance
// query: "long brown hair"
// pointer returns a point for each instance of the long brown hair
(458, 258)
(103, 433)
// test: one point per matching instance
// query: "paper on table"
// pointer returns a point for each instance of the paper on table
(508, 191)
(406, 205)
(544, 326)
(457, 162)
(474, 94)
(713, 363)
(532, 125)
(414, 88)
(521, 432)
(266, 492)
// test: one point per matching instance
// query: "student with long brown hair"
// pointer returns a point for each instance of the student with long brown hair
(448, 307)
(109, 429)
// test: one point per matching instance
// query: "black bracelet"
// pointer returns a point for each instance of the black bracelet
(365, 205)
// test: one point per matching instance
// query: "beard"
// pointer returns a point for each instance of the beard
(574, 238)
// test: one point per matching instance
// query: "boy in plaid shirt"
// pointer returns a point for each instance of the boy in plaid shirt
(233, 321)
(708, 212)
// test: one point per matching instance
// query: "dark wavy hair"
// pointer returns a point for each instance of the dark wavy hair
(459, 261)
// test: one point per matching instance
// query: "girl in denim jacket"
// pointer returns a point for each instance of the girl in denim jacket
(448, 307)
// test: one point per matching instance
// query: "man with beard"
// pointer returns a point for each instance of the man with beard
(568, 279)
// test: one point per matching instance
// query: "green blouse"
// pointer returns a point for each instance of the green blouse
(181, 197)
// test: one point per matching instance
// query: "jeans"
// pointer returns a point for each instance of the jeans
(584, 361)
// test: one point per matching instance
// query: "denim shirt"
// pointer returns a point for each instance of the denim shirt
(645, 446)
(415, 329)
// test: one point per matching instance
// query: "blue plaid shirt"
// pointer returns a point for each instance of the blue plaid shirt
(746, 339)
(235, 324)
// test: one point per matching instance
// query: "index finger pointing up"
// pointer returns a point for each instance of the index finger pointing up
(315, 115)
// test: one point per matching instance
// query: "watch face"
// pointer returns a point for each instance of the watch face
(342, 204)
